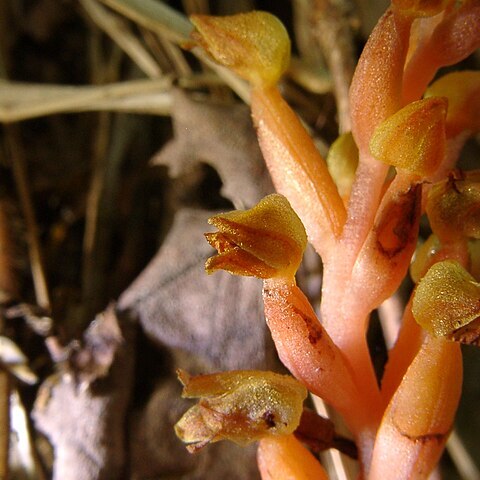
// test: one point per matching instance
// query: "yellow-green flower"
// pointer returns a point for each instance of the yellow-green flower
(242, 406)
(266, 241)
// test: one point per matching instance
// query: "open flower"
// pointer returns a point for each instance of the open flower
(242, 406)
(266, 241)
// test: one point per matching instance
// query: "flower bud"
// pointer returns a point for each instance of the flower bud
(342, 161)
(242, 406)
(413, 139)
(285, 458)
(446, 299)
(266, 241)
(420, 415)
(254, 45)
(424, 257)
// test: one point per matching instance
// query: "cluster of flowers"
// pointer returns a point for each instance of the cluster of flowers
(360, 209)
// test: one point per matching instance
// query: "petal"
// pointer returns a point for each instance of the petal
(239, 262)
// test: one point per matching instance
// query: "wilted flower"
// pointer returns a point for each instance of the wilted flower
(266, 241)
(242, 406)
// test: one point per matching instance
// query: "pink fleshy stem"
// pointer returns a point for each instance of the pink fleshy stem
(308, 352)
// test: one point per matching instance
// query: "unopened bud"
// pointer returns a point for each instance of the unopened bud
(254, 45)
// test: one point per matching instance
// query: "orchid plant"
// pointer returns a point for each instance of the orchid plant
(360, 209)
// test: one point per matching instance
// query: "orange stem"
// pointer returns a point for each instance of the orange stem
(443, 49)
(297, 169)
(308, 352)
(285, 458)
(420, 415)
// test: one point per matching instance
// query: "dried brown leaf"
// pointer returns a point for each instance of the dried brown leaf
(218, 318)
(222, 136)
(86, 426)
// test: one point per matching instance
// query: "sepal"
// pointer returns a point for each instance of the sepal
(421, 8)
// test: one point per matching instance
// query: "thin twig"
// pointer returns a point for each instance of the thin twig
(19, 169)
(119, 32)
(340, 467)
(335, 38)
(461, 458)
(103, 201)
(308, 69)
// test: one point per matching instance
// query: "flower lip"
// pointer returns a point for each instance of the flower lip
(266, 241)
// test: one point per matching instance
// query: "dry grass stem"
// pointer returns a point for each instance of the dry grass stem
(19, 101)
(175, 27)
(334, 36)
(462, 459)
(155, 16)
(19, 168)
(339, 466)
(175, 56)
(118, 30)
